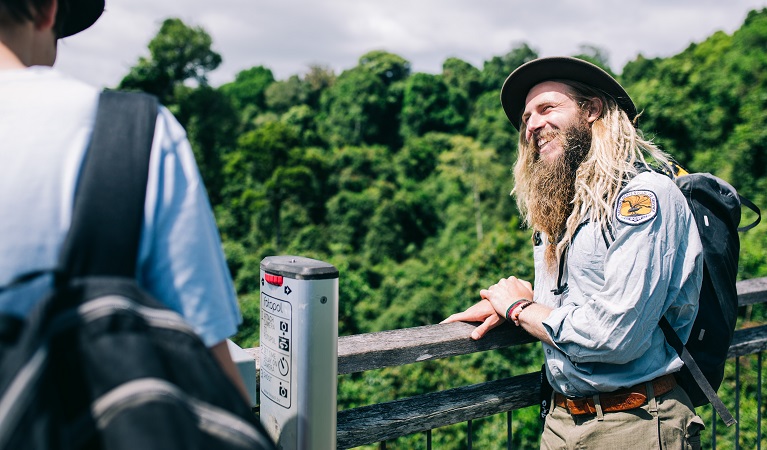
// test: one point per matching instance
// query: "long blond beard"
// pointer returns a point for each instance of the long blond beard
(552, 184)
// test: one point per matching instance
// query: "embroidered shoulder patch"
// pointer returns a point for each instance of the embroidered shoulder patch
(636, 207)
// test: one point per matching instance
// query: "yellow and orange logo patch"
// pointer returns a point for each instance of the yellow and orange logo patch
(636, 207)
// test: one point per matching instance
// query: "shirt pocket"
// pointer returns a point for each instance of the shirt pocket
(586, 261)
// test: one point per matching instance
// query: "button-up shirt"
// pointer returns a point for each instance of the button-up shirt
(620, 282)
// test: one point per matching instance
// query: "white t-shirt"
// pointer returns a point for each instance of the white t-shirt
(46, 122)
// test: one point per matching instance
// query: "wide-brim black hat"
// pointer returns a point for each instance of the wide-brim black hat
(81, 15)
(525, 77)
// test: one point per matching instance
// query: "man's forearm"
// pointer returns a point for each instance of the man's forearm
(531, 319)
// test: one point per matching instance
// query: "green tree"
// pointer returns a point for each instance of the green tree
(388, 67)
(473, 166)
(247, 91)
(258, 155)
(353, 109)
(317, 80)
(490, 126)
(595, 55)
(497, 69)
(282, 95)
(426, 106)
(462, 77)
(177, 53)
(464, 83)
(363, 105)
(211, 124)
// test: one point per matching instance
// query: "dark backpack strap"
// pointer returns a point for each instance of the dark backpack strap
(673, 339)
(109, 200)
(748, 203)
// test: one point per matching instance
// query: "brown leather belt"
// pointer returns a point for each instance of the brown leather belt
(620, 400)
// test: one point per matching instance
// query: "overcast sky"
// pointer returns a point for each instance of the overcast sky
(287, 36)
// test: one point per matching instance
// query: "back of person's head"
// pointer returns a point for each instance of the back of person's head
(72, 16)
(21, 11)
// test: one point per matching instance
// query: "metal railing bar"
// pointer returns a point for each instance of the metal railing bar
(509, 434)
(737, 403)
(713, 429)
(758, 401)
(428, 439)
(468, 434)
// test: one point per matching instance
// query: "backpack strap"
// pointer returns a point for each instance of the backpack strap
(748, 203)
(673, 339)
(109, 200)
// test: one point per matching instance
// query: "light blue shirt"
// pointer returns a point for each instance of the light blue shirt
(46, 121)
(605, 326)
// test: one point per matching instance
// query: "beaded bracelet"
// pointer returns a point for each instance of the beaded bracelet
(518, 311)
(510, 310)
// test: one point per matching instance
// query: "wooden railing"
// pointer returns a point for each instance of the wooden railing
(384, 421)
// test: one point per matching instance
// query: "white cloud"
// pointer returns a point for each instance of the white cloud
(289, 35)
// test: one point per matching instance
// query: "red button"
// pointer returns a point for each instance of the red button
(273, 279)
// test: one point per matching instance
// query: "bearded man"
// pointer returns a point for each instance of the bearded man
(615, 247)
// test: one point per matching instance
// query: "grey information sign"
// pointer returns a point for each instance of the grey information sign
(299, 352)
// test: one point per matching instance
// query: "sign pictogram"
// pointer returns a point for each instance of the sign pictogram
(276, 352)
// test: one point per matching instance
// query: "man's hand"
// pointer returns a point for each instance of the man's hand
(507, 291)
(483, 312)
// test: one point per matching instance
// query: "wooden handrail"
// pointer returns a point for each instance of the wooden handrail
(752, 291)
(362, 352)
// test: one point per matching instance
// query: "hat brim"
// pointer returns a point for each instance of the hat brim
(82, 14)
(528, 75)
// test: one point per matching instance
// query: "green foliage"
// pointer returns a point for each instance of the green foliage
(595, 55)
(427, 106)
(361, 107)
(402, 180)
(495, 71)
(388, 67)
(282, 95)
(178, 53)
(247, 91)
(462, 77)
(211, 124)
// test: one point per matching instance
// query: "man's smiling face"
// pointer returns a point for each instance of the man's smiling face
(549, 112)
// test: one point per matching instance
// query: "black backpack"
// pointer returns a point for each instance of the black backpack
(99, 364)
(716, 206)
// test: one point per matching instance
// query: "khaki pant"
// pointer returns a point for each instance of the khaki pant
(665, 422)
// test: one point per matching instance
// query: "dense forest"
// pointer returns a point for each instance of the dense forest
(401, 180)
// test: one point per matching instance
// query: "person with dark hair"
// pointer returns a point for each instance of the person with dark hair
(616, 248)
(46, 121)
